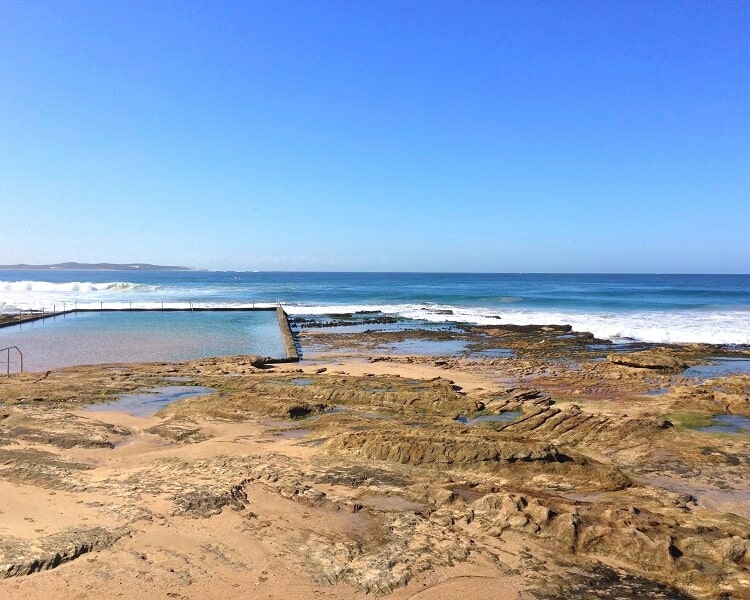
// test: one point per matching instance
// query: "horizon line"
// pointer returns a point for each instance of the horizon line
(29, 267)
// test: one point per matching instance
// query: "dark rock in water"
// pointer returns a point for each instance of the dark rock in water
(345, 320)
(530, 329)
(257, 361)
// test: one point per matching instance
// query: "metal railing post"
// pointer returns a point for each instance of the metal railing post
(7, 359)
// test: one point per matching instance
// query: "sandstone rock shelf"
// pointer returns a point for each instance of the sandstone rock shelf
(360, 481)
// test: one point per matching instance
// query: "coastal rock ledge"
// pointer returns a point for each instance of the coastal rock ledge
(659, 359)
(20, 557)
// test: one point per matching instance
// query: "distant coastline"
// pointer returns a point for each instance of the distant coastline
(75, 266)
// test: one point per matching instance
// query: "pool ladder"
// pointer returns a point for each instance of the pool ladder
(7, 358)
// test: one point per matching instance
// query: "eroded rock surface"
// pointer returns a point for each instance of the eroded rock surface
(23, 557)
(660, 359)
(364, 482)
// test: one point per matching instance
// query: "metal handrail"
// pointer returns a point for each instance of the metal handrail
(7, 360)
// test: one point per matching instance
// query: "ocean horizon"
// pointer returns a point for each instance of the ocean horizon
(660, 308)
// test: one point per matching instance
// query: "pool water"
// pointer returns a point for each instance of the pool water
(125, 336)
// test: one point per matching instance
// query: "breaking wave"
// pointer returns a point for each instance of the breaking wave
(84, 287)
(728, 324)
(26, 295)
(695, 326)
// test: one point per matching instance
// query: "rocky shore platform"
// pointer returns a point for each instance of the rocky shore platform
(533, 463)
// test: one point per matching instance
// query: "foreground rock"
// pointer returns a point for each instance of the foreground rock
(356, 479)
(23, 557)
(440, 448)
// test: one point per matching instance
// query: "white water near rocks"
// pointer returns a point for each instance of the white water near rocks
(653, 308)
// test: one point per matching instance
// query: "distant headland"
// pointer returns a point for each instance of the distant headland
(75, 266)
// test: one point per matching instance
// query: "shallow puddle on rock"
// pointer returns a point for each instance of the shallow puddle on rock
(504, 417)
(294, 434)
(493, 353)
(151, 400)
(609, 347)
(340, 408)
(382, 390)
(657, 392)
(428, 347)
(719, 367)
(286, 424)
(736, 501)
(146, 439)
(299, 381)
(727, 424)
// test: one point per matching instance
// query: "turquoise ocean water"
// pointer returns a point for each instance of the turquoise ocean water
(653, 308)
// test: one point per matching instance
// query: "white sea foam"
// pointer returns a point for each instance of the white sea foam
(26, 295)
(714, 326)
(83, 287)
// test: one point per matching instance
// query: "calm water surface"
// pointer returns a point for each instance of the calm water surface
(94, 338)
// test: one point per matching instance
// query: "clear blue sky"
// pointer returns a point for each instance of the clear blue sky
(463, 136)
